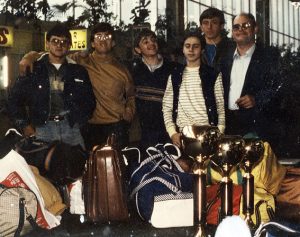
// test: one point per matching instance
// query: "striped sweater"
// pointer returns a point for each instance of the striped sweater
(191, 104)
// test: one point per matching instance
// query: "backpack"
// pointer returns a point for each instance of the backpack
(18, 211)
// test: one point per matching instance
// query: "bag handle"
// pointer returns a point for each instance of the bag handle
(175, 157)
(129, 149)
(264, 226)
(111, 140)
(160, 153)
(169, 185)
(148, 160)
(171, 157)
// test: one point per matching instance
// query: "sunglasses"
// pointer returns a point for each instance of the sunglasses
(58, 42)
(243, 26)
(102, 37)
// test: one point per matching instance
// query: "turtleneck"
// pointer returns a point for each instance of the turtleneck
(108, 58)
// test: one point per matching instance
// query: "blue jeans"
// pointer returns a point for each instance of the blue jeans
(60, 131)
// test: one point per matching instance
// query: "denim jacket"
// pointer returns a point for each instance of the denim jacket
(29, 99)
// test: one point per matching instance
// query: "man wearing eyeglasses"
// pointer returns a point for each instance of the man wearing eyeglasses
(250, 83)
(112, 86)
(54, 100)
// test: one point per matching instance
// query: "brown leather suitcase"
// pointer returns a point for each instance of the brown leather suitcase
(103, 185)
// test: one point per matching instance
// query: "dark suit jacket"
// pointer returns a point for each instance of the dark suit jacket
(262, 82)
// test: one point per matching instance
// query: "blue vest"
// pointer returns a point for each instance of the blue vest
(208, 78)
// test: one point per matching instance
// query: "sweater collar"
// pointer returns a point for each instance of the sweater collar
(107, 59)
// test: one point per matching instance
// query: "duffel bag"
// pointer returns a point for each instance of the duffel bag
(162, 190)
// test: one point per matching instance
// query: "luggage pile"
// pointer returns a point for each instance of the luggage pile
(164, 184)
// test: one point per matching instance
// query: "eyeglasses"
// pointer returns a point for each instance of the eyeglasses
(243, 26)
(58, 42)
(102, 37)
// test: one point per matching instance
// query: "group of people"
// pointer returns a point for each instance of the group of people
(81, 98)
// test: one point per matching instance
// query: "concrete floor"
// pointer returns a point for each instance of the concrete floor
(71, 226)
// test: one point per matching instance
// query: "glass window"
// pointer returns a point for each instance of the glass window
(193, 11)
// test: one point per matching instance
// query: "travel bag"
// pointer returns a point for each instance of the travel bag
(18, 211)
(161, 190)
(103, 185)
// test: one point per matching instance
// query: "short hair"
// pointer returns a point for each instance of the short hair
(250, 17)
(211, 13)
(196, 34)
(60, 30)
(143, 33)
(102, 27)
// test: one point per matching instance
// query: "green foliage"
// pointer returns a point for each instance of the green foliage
(141, 13)
(96, 12)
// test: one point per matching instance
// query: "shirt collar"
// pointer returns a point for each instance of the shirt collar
(249, 52)
(152, 68)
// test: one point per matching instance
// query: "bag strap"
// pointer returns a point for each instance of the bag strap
(148, 160)
(175, 157)
(129, 149)
(264, 226)
(21, 217)
(163, 155)
(169, 185)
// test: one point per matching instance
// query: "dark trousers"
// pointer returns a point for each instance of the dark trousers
(97, 134)
(238, 123)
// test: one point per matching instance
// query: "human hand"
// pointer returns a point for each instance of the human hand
(247, 102)
(25, 65)
(176, 139)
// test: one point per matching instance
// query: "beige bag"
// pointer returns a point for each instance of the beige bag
(18, 210)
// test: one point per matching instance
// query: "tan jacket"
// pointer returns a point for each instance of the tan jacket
(113, 88)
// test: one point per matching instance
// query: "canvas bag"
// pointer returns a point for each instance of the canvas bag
(18, 211)
(15, 172)
(162, 190)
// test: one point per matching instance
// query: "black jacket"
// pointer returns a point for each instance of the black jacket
(224, 47)
(262, 81)
(29, 99)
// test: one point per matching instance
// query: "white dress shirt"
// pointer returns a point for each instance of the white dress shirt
(237, 77)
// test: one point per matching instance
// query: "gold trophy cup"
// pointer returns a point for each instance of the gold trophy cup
(200, 143)
(254, 150)
(229, 154)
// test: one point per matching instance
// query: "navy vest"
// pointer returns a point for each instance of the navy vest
(208, 78)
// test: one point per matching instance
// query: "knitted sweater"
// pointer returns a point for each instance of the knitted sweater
(150, 88)
(113, 88)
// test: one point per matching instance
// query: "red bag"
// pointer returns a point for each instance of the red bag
(214, 201)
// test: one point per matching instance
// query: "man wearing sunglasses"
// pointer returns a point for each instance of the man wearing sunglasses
(250, 83)
(54, 100)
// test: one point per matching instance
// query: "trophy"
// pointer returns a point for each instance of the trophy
(229, 153)
(200, 143)
(254, 149)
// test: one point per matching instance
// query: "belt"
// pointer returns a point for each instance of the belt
(56, 118)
